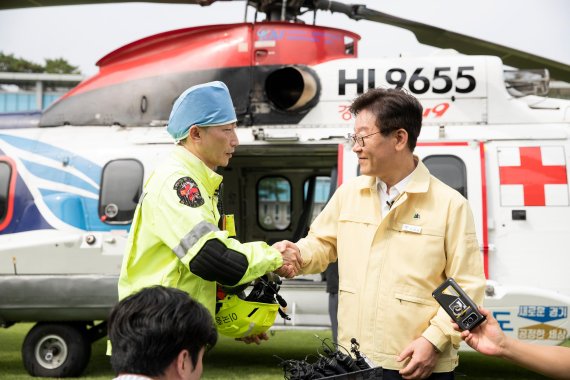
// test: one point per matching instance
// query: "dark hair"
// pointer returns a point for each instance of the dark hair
(148, 330)
(393, 109)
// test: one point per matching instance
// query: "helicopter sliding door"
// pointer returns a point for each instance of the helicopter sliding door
(276, 191)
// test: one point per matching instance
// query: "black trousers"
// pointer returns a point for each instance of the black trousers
(389, 374)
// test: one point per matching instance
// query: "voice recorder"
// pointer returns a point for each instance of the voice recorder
(458, 305)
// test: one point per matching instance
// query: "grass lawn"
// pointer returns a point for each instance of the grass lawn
(236, 360)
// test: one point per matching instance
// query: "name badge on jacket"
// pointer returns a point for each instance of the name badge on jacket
(411, 228)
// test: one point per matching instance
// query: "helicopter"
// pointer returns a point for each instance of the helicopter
(71, 177)
(117, 88)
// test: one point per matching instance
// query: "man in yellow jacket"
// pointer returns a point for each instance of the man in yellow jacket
(397, 233)
(178, 237)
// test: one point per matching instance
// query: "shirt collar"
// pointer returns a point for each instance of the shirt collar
(420, 178)
(395, 190)
(418, 182)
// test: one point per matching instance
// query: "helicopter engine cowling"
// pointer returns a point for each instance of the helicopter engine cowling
(283, 94)
(292, 88)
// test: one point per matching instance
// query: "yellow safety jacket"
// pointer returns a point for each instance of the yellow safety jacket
(176, 216)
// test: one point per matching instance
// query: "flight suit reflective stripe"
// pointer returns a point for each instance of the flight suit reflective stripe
(192, 238)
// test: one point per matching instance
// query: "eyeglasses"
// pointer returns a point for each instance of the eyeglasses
(359, 139)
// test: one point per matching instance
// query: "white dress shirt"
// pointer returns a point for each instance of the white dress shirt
(387, 198)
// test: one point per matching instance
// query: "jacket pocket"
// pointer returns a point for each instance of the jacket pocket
(348, 289)
(356, 216)
(348, 313)
(408, 317)
(415, 299)
(417, 251)
(354, 240)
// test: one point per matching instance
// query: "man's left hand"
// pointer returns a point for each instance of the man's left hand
(423, 359)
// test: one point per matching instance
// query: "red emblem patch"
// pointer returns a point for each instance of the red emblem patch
(188, 192)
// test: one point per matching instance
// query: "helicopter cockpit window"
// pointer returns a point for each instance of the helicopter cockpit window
(5, 175)
(450, 170)
(521, 83)
(274, 203)
(121, 187)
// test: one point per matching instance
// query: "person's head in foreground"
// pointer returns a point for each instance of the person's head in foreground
(160, 333)
(203, 121)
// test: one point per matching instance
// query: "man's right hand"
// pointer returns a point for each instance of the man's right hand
(292, 260)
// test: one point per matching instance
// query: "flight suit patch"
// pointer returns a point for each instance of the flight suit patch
(188, 192)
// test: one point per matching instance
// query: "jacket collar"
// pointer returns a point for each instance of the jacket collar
(419, 181)
(200, 172)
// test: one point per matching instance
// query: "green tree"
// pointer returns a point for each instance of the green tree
(60, 66)
(9, 63)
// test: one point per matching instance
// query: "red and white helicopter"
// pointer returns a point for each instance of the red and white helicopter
(70, 180)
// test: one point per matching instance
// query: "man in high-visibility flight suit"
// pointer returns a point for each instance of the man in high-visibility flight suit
(175, 240)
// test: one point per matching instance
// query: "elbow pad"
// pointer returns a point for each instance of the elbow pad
(216, 262)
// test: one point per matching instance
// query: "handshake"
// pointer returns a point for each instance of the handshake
(292, 261)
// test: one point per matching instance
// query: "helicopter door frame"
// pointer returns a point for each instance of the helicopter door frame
(292, 179)
(6, 216)
(295, 165)
(472, 154)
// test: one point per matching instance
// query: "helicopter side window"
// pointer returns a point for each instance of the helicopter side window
(316, 193)
(348, 45)
(274, 203)
(320, 195)
(5, 176)
(121, 187)
(450, 170)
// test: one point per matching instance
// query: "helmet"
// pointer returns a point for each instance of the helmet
(239, 316)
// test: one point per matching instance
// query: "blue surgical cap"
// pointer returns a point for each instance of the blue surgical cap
(205, 105)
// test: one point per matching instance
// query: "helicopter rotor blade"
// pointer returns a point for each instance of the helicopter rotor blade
(426, 34)
(438, 37)
(15, 4)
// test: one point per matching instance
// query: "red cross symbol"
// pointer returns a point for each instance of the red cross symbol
(533, 175)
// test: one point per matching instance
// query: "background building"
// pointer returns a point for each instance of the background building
(21, 92)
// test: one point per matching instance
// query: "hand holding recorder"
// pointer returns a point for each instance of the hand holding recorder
(489, 339)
